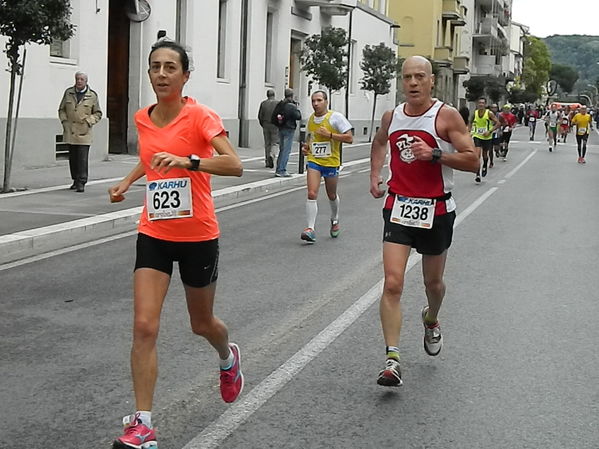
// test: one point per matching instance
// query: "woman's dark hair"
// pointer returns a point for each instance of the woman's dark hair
(172, 45)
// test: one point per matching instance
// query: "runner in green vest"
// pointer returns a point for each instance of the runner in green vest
(483, 123)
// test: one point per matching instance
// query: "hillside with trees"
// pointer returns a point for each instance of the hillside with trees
(580, 52)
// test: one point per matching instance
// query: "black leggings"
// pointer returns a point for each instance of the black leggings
(582, 144)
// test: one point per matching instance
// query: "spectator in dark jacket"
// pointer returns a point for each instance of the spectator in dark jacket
(270, 131)
(289, 116)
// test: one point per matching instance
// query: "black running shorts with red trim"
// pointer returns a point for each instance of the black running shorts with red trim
(430, 242)
(198, 261)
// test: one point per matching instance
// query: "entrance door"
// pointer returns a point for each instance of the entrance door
(118, 76)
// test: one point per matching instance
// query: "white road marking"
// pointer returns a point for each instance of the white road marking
(226, 424)
(236, 415)
(521, 164)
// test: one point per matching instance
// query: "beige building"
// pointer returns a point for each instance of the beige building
(432, 28)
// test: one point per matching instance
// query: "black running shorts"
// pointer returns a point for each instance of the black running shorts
(506, 136)
(198, 261)
(485, 144)
(430, 242)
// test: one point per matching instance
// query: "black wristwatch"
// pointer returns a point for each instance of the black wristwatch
(436, 155)
(195, 162)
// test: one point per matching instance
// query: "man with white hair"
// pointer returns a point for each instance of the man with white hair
(79, 110)
(427, 141)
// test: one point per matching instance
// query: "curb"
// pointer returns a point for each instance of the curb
(49, 238)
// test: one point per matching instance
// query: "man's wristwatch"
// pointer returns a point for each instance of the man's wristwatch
(436, 155)
(195, 162)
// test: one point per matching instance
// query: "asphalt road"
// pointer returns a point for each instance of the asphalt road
(518, 369)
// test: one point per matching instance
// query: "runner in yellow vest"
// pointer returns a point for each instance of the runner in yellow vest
(584, 123)
(325, 131)
(483, 123)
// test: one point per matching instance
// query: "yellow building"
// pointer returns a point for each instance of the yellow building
(432, 28)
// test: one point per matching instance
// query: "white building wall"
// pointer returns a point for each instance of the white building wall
(46, 77)
(466, 48)
(44, 82)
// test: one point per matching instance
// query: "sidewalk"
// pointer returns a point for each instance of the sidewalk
(44, 215)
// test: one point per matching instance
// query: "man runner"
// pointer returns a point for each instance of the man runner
(564, 126)
(496, 140)
(583, 122)
(427, 139)
(552, 118)
(483, 124)
(508, 121)
(326, 130)
(533, 115)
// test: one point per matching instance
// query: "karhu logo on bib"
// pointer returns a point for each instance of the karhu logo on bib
(404, 146)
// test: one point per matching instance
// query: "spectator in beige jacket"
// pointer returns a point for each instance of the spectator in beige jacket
(79, 110)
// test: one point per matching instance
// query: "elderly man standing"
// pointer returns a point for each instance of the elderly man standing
(270, 131)
(79, 110)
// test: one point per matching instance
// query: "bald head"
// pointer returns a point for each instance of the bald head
(417, 62)
(417, 80)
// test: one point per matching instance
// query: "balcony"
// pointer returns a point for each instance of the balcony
(460, 65)
(491, 5)
(443, 56)
(330, 7)
(486, 65)
(454, 12)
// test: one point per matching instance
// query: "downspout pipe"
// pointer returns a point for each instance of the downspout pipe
(243, 140)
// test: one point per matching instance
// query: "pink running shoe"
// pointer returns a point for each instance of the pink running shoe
(137, 435)
(231, 380)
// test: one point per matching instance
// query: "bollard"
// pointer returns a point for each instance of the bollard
(302, 139)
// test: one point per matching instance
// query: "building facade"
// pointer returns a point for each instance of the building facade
(487, 35)
(240, 48)
(432, 28)
(518, 33)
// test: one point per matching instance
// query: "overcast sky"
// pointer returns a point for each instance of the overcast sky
(547, 17)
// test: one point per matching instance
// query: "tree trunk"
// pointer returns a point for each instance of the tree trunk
(13, 55)
(14, 129)
(372, 118)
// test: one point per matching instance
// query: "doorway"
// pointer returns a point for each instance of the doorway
(117, 100)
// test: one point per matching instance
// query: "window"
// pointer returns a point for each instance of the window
(60, 49)
(268, 54)
(222, 38)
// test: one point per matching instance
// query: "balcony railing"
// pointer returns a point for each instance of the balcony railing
(451, 9)
(443, 56)
(460, 65)
(330, 7)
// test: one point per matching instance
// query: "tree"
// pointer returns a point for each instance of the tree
(537, 65)
(489, 86)
(495, 88)
(24, 22)
(324, 57)
(379, 65)
(565, 76)
(475, 88)
(522, 96)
